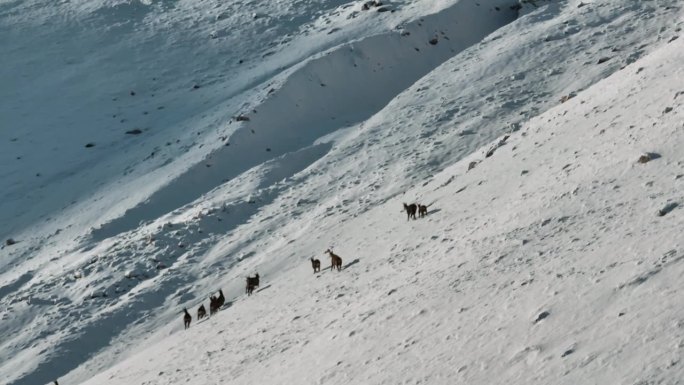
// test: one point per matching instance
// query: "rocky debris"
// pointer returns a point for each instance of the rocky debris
(135, 131)
(667, 209)
(434, 41)
(647, 157)
(472, 165)
(500, 143)
(603, 60)
(10, 242)
(370, 4)
(98, 294)
(242, 118)
(542, 316)
(567, 97)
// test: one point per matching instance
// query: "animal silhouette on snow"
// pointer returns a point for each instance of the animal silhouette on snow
(335, 260)
(422, 210)
(316, 264)
(201, 312)
(410, 210)
(252, 282)
(215, 303)
(187, 318)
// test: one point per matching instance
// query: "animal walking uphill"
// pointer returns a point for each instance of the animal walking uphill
(252, 283)
(316, 264)
(335, 261)
(215, 304)
(187, 318)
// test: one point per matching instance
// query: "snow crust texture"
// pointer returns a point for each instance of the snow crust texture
(153, 152)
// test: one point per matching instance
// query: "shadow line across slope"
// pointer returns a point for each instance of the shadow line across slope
(334, 90)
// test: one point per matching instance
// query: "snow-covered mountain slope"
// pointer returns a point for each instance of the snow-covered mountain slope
(549, 262)
(343, 114)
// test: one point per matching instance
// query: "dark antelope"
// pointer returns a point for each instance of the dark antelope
(316, 264)
(252, 282)
(213, 308)
(187, 318)
(422, 210)
(215, 303)
(410, 211)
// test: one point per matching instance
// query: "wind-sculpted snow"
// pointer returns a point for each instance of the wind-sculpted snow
(540, 265)
(82, 72)
(340, 88)
(269, 133)
(149, 96)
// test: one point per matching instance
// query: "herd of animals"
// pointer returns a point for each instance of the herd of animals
(215, 303)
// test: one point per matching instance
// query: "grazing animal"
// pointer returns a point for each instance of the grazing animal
(201, 312)
(335, 261)
(187, 318)
(316, 264)
(213, 305)
(252, 282)
(422, 210)
(410, 211)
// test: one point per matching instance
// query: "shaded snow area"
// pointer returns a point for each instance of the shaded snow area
(154, 152)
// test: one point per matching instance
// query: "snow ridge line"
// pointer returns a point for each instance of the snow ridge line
(354, 80)
(368, 78)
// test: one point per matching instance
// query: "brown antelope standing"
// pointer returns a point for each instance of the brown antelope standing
(335, 260)
(316, 264)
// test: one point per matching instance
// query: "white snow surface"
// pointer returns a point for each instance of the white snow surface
(153, 152)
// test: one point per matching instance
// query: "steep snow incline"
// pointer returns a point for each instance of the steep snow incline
(147, 73)
(79, 292)
(546, 263)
